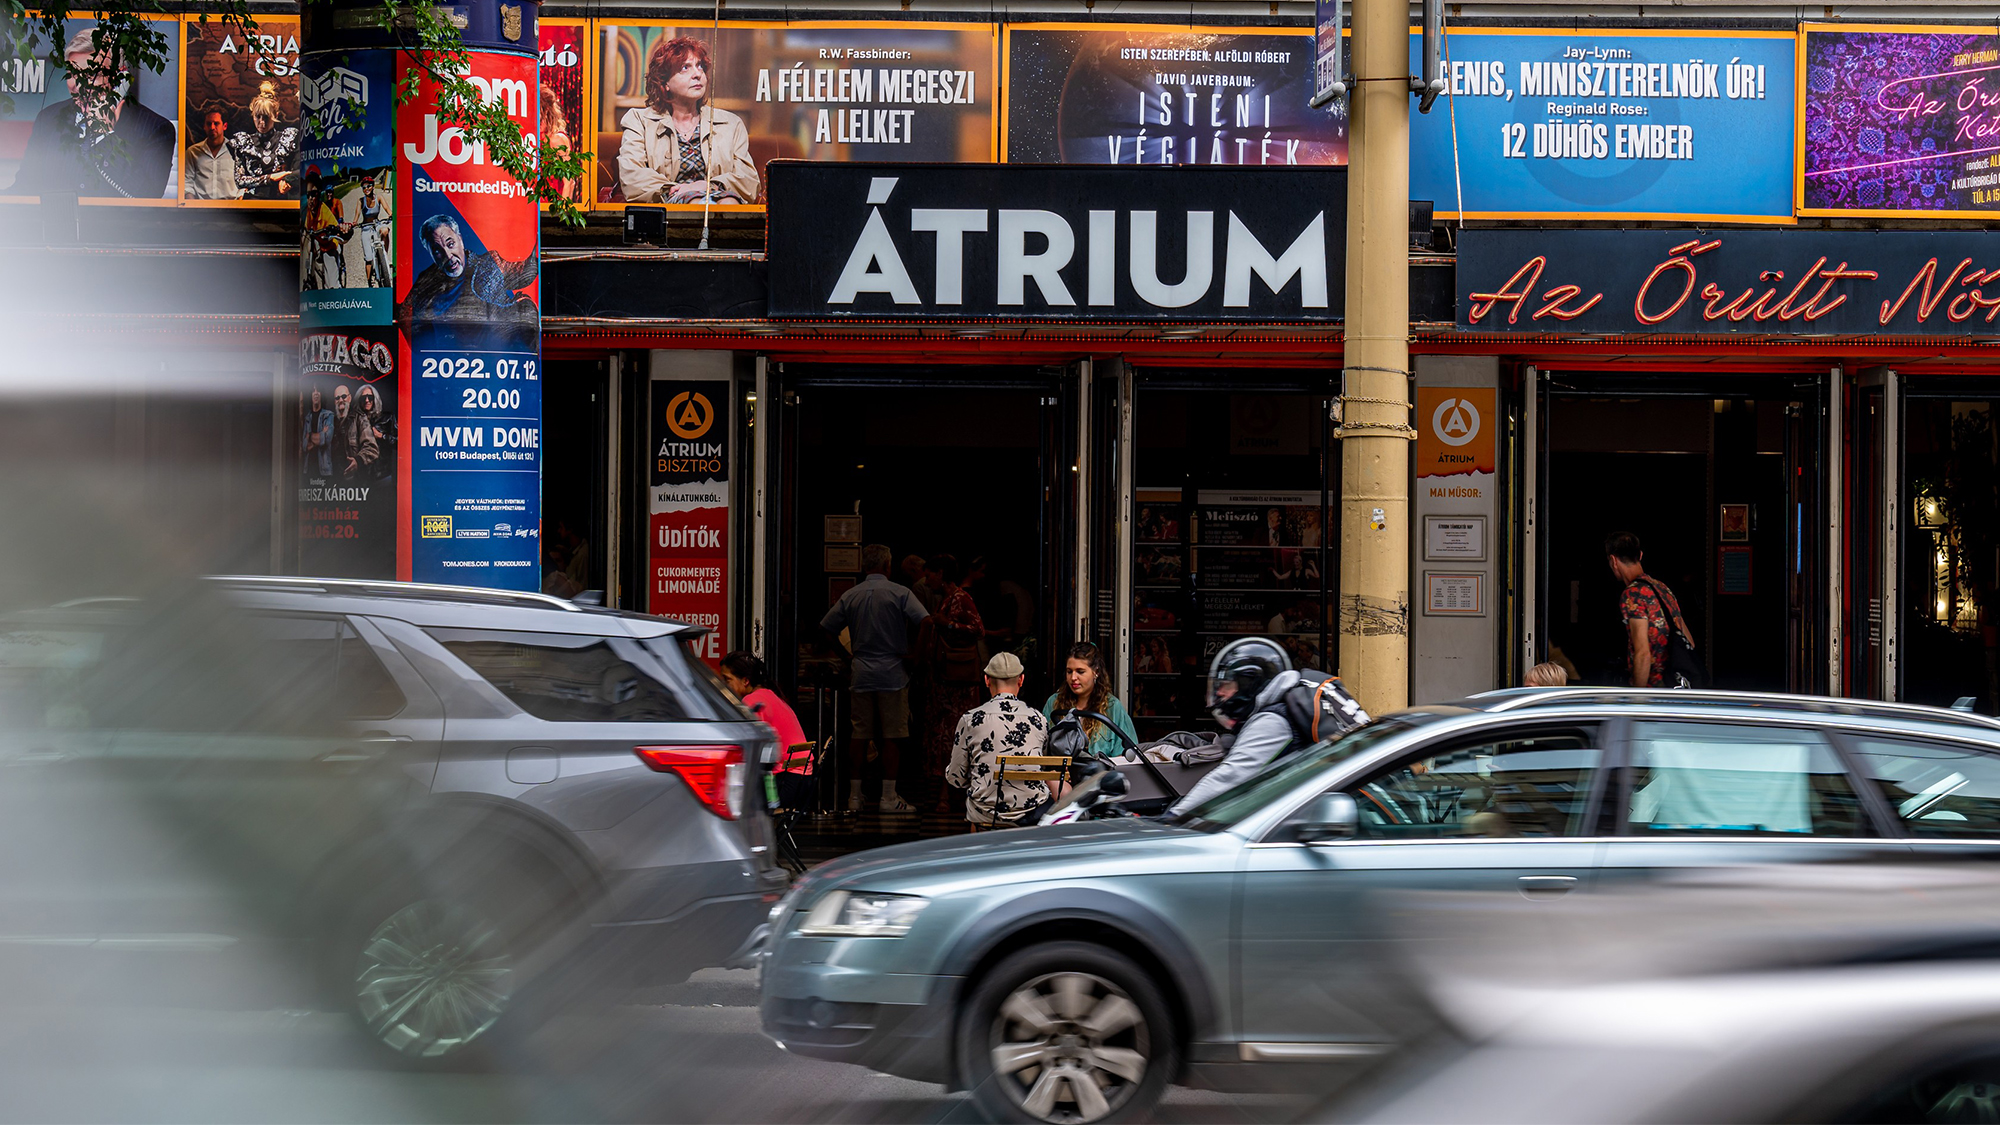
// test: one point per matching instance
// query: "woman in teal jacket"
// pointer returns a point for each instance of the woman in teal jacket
(1086, 687)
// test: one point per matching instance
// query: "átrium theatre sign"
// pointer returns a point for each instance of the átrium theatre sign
(1087, 243)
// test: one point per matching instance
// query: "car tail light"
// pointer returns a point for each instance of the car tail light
(714, 773)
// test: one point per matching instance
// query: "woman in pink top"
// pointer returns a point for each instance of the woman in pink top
(745, 675)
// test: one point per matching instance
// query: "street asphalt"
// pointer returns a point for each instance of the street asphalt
(685, 1053)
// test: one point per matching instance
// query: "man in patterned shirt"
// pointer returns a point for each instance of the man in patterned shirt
(1647, 609)
(1001, 725)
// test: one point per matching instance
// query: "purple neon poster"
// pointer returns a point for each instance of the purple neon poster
(1899, 120)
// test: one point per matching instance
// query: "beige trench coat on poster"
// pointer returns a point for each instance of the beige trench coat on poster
(650, 155)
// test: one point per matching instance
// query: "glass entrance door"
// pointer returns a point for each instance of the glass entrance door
(966, 465)
(1718, 479)
(1233, 497)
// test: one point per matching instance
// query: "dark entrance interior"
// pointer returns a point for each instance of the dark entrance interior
(1719, 481)
(973, 463)
(576, 435)
(1949, 535)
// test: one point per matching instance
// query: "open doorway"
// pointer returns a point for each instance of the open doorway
(1719, 482)
(972, 465)
(576, 435)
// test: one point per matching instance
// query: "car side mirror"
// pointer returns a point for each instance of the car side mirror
(1331, 816)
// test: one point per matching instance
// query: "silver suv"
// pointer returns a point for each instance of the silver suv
(453, 804)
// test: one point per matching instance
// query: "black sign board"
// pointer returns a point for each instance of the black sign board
(1757, 282)
(934, 241)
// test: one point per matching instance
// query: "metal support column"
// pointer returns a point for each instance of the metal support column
(614, 475)
(1081, 481)
(1375, 379)
(1122, 659)
(1531, 498)
(1835, 462)
(1890, 510)
(760, 446)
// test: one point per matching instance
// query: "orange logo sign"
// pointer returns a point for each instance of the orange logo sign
(689, 415)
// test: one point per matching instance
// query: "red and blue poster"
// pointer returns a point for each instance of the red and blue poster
(468, 304)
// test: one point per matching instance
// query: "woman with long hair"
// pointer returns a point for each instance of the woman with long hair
(553, 136)
(1087, 687)
(746, 677)
(267, 158)
(678, 148)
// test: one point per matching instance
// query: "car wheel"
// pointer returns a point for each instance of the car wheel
(433, 976)
(1067, 1032)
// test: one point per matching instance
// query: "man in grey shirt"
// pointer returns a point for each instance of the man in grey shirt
(881, 620)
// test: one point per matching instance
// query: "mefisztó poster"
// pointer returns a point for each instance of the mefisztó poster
(1633, 124)
(689, 485)
(1899, 121)
(347, 189)
(562, 125)
(242, 113)
(130, 152)
(1140, 94)
(468, 304)
(1258, 569)
(347, 442)
(691, 114)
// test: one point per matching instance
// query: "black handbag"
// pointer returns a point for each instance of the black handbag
(1681, 663)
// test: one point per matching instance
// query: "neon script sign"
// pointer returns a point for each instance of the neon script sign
(1759, 282)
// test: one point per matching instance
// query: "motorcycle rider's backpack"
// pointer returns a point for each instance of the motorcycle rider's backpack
(1318, 708)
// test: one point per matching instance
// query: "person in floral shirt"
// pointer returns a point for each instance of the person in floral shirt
(1003, 724)
(1647, 609)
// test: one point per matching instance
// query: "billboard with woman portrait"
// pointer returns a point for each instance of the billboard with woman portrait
(690, 114)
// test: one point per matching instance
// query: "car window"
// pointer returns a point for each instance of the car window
(225, 672)
(701, 680)
(364, 689)
(1738, 779)
(1935, 789)
(566, 678)
(1518, 785)
(45, 668)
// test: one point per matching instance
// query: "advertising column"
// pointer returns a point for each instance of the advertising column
(468, 303)
(350, 388)
(689, 497)
(420, 406)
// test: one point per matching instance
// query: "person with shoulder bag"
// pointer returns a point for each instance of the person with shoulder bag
(1659, 650)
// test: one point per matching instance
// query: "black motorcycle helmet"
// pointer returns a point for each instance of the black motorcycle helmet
(1240, 671)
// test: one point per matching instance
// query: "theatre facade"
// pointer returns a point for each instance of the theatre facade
(1662, 285)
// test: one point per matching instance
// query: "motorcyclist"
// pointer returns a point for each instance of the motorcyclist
(1247, 686)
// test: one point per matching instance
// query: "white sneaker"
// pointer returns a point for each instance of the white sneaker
(891, 802)
(854, 796)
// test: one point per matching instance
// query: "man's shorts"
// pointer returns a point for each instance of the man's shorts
(882, 714)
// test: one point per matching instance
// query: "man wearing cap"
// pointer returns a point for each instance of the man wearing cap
(1001, 725)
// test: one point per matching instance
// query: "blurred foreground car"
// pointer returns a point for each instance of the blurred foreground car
(1069, 973)
(1863, 993)
(453, 804)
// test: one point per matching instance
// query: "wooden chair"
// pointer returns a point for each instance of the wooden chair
(1050, 769)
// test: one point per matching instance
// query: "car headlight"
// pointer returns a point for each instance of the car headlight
(863, 914)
